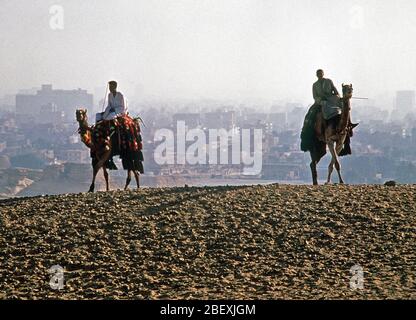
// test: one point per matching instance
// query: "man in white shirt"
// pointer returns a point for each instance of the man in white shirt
(116, 104)
(115, 108)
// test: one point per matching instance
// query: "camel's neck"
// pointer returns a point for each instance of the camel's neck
(83, 125)
(345, 114)
(85, 133)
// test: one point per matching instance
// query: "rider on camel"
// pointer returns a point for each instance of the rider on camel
(326, 95)
(116, 104)
(116, 107)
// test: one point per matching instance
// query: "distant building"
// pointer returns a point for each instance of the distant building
(405, 103)
(49, 113)
(8, 124)
(75, 156)
(7, 103)
(369, 113)
(295, 117)
(65, 101)
(255, 117)
(278, 120)
(192, 120)
(219, 120)
(413, 136)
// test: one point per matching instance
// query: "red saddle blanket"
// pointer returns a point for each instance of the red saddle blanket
(124, 134)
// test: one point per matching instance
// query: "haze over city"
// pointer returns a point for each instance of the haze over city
(195, 150)
(243, 49)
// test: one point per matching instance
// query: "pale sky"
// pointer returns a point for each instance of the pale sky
(221, 49)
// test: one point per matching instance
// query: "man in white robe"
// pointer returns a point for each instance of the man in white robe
(115, 108)
(116, 104)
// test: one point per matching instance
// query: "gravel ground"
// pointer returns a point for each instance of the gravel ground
(261, 242)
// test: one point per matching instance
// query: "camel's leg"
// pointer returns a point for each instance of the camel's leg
(330, 170)
(95, 171)
(338, 167)
(314, 172)
(334, 159)
(137, 176)
(97, 168)
(338, 164)
(106, 178)
(128, 179)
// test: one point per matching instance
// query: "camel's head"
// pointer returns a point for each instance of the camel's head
(81, 114)
(347, 91)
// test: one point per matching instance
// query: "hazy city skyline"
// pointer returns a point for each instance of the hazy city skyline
(210, 49)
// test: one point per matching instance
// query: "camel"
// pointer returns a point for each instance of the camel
(332, 133)
(101, 153)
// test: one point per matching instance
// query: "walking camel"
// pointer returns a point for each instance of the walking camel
(101, 152)
(332, 133)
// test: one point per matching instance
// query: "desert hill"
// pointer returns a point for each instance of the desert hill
(265, 242)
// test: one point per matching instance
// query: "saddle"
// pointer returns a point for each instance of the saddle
(126, 141)
(321, 124)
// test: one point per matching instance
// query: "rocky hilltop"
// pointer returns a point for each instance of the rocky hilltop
(265, 242)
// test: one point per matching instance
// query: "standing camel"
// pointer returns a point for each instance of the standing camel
(331, 133)
(101, 152)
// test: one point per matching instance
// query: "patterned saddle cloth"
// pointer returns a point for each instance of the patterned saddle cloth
(125, 135)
